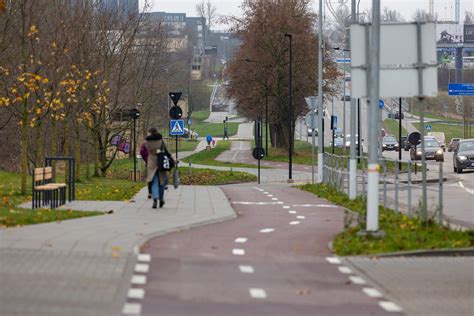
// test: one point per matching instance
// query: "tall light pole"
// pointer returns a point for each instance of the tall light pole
(352, 149)
(374, 130)
(266, 102)
(320, 95)
(290, 136)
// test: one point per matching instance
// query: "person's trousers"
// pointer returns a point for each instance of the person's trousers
(157, 189)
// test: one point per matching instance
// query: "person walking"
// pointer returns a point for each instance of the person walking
(155, 143)
(144, 154)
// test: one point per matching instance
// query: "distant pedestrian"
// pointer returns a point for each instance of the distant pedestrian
(226, 132)
(155, 143)
(209, 139)
(144, 154)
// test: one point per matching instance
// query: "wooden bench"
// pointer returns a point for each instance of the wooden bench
(45, 191)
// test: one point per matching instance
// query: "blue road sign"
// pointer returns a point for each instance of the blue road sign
(428, 127)
(343, 60)
(461, 89)
(381, 104)
(177, 127)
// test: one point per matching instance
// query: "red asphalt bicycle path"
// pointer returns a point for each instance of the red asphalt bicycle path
(236, 155)
(195, 272)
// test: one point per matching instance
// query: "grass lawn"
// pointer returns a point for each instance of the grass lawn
(10, 196)
(450, 131)
(215, 129)
(207, 157)
(402, 233)
(391, 127)
(192, 176)
(301, 154)
(183, 144)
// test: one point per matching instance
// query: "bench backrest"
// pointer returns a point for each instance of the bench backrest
(43, 174)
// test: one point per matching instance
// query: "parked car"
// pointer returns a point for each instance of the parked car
(346, 98)
(432, 151)
(310, 132)
(389, 143)
(396, 115)
(453, 144)
(463, 157)
(348, 141)
(440, 138)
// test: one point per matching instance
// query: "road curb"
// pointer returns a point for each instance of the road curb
(450, 252)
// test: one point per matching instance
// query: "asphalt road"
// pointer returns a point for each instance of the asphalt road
(271, 260)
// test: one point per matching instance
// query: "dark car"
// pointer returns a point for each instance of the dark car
(432, 151)
(453, 144)
(396, 115)
(463, 157)
(389, 143)
(347, 98)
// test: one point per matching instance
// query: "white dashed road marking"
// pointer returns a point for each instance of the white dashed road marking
(246, 269)
(238, 252)
(279, 202)
(286, 206)
(294, 223)
(266, 192)
(345, 270)
(141, 267)
(267, 230)
(132, 309)
(274, 199)
(144, 257)
(390, 306)
(254, 203)
(371, 292)
(333, 260)
(270, 195)
(137, 294)
(356, 280)
(300, 217)
(138, 279)
(315, 205)
(292, 212)
(258, 293)
(240, 240)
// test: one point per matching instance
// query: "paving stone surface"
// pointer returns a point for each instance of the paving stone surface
(423, 285)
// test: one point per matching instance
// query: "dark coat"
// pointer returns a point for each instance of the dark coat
(153, 143)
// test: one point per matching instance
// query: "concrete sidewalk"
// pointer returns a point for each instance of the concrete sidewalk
(84, 266)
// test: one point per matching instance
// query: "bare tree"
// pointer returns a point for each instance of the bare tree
(469, 17)
(389, 16)
(207, 10)
(423, 16)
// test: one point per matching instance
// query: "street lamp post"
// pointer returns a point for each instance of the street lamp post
(266, 102)
(290, 136)
(134, 114)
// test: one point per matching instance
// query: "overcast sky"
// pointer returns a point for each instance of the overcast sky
(444, 8)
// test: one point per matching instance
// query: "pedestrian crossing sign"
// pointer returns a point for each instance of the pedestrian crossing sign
(177, 127)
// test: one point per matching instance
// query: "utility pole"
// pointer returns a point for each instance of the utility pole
(320, 95)
(290, 136)
(352, 149)
(374, 130)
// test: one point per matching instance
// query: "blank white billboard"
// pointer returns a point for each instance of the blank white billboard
(398, 60)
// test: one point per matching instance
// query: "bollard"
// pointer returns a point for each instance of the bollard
(397, 164)
(384, 184)
(409, 187)
(440, 194)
